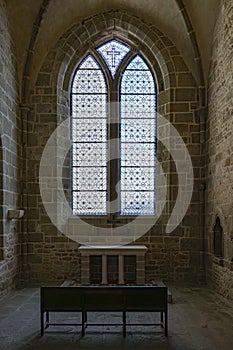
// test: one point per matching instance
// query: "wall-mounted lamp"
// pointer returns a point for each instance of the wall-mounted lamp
(15, 214)
(202, 186)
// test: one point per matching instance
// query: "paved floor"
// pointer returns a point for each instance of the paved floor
(198, 320)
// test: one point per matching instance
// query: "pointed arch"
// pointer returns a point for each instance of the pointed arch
(94, 183)
(113, 52)
(89, 139)
(138, 138)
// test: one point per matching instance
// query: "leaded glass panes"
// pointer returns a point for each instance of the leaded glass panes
(90, 178)
(137, 203)
(89, 139)
(89, 203)
(89, 63)
(140, 178)
(89, 132)
(89, 105)
(89, 78)
(134, 105)
(113, 52)
(138, 142)
(134, 154)
(89, 153)
(137, 64)
(137, 130)
(137, 82)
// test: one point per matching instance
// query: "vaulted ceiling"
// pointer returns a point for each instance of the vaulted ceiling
(180, 20)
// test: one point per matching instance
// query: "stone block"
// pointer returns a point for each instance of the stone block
(50, 230)
(34, 259)
(35, 237)
(191, 244)
(171, 243)
(180, 66)
(43, 79)
(186, 79)
(177, 107)
(186, 94)
(184, 118)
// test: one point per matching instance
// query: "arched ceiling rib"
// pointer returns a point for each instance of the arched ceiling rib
(170, 16)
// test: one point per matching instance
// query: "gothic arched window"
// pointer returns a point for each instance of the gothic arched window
(113, 122)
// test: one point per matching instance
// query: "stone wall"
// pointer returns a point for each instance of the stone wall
(9, 172)
(219, 197)
(176, 256)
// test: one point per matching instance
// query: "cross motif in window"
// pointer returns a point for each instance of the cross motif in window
(113, 53)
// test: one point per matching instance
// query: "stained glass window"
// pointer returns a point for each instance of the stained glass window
(91, 130)
(89, 139)
(113, 53)
(138, 143)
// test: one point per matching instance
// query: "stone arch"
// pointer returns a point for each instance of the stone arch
(72, 45)
(58, 68)
(167, 64)
(37, 26)
(50, 106)
(97, 40)
(176, 85)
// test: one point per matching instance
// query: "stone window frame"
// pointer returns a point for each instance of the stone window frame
(113, 92)
(162, 81)
(52, 81)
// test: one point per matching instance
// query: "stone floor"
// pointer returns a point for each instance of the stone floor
(198, 320)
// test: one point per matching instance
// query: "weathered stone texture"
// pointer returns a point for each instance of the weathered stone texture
(49, 257)
(9, 171)
(220, 150)
(173, 257)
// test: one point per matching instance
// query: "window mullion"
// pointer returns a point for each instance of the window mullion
(114, 149)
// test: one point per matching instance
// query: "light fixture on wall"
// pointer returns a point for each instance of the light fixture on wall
(15, 214)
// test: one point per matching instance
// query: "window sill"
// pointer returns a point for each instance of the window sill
(118, 220)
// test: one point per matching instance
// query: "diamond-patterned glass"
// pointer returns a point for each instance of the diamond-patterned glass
(137, 82)
(133, 154)
(89, 63)
(89, 134)
(137, 179)
(87, 178)
(137, 64)
(137, 203)
(137, 130)
(138, 106)
(89, 203)
(89, 78)
(89, 139)
(89, 130)
(89, 106)
(85, 154)
(138, 139)
(113, 52)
